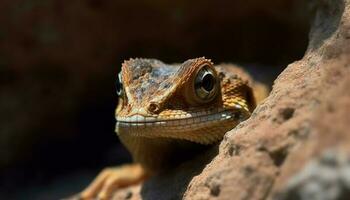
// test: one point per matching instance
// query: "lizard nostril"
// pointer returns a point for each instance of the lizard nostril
(153, 107)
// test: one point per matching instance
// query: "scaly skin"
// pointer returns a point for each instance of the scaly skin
(164, 109)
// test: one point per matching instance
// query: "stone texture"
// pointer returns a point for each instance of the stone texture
(305, 117)
(326, 177)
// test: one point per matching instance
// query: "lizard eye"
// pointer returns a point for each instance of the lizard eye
(205, 84)
(119, 85)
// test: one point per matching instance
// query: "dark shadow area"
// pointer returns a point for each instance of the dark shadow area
(328, 17)
(165, 185)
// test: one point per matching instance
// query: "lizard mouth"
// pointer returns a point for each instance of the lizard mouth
(189, 119)
(203, 127)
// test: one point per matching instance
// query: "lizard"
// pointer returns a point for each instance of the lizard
(166, 108)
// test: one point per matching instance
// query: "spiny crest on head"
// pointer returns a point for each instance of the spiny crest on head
(147, 78)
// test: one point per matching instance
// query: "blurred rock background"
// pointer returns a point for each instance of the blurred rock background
(58, 66)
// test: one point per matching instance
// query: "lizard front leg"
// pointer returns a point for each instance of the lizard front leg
(110, 179)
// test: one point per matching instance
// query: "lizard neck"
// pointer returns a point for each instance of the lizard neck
(159, 154)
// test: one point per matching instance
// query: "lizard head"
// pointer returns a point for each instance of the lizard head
(194, 101)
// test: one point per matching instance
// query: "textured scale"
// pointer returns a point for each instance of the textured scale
(156, 116)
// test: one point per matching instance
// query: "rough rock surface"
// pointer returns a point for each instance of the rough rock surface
(298, 133)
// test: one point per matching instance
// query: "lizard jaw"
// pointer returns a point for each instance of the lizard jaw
(197, 127)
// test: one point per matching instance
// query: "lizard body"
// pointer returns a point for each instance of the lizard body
(164, 109)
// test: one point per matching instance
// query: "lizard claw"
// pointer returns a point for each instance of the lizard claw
(110, 179)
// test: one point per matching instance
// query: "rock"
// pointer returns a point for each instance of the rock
(299, 136)
(326, 177)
